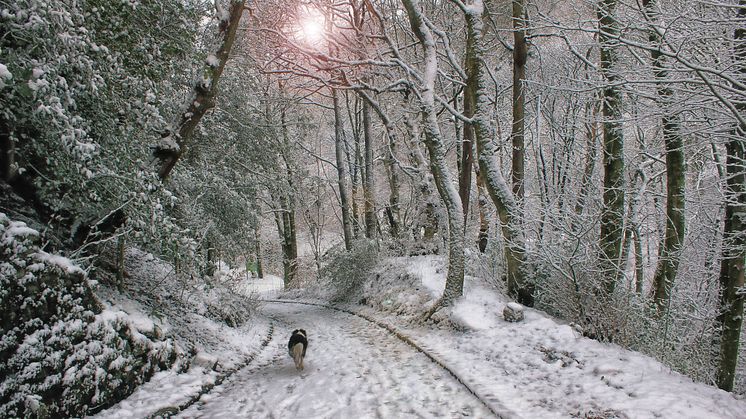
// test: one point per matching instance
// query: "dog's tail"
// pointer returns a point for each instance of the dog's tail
(298, 356)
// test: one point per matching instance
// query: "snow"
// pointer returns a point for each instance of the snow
(537, 368)
(59, 261)
(353, 369)
(212, 60)
(428, 271)
(15, 230)
(269, 285)
(540, 368)
(5, 75)
(515, 306)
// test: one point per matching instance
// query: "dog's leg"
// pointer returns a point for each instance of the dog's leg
(298, 356)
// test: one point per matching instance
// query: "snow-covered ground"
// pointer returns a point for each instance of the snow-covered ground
(537, 368)
(353, 370)
(268, 286)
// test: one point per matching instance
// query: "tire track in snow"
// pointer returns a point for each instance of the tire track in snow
(170, 411)
(354, 369)
(489, 401)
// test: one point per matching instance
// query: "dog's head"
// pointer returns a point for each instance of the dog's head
(300, 332)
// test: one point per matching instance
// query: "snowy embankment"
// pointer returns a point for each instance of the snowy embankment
(190, 314)
(537, 367)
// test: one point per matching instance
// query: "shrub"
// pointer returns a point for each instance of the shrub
(60, 354)
(345, 271)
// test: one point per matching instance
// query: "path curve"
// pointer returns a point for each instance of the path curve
(354, 368)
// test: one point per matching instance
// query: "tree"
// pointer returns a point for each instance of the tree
(520, 55)
(341, 172)
(612, 216)
(733, 264)
(454, 287)
(502, 197)
(670, 248)
(178, 136)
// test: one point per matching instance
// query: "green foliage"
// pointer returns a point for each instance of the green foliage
(60, 354)
(88, 84)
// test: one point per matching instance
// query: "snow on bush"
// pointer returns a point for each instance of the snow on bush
(60, 354)
(405, 286)
(346, 271)
(225, 305)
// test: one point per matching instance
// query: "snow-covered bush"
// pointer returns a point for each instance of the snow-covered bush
(346, 271)
(86, 87)
(60, 354)
(229, 307)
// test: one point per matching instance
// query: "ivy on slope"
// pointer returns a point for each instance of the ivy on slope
(60, 353)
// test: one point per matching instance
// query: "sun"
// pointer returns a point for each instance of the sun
(312, 29)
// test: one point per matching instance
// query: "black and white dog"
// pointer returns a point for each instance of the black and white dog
(297, 347)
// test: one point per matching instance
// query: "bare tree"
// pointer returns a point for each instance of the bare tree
(612, 217)
(733, 265)
(670, 249)
(502, 197)
(341, 172)
(443, 178)
(520, 55)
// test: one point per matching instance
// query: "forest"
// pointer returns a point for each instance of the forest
(586, 160)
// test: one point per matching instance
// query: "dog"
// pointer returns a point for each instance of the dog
(297, 347)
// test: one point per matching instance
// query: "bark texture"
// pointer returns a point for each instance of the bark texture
(520, 54)
(368, 179)
(175, 141)
(612, 215)
(438, 167)
(670, 248)
(341, 172)
(734, 247)
(507, 208)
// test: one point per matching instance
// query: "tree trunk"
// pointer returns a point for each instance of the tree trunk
(612, 215)
(439, 168)
(393, 175)
(520, 54)
(670, 248)
(341, 172)
(484, 223)
(734, 233)
(589, 167)
(507, 207)
(7, 152)
(177, 138)
(368, 180)
(427, 218)
(258, 252)
(732, 264)
(467, 156)
(357, 169)
(120, 262)
(285, 221)
(290, 247)
(209, 260)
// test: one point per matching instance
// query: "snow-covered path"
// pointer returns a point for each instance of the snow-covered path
(353, 369)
